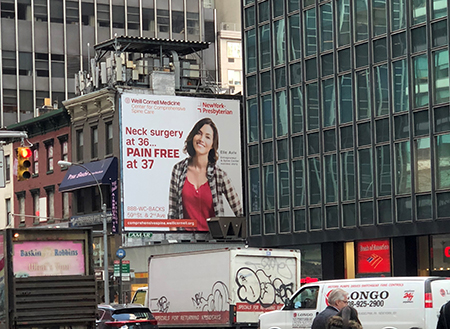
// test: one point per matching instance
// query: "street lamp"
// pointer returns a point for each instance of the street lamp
(105, 232)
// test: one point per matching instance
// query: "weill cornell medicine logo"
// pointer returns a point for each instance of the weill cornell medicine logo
(127, 100)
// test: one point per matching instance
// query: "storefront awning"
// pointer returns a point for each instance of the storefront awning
(78, 177)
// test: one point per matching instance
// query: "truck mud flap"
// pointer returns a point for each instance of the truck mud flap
(55, 300)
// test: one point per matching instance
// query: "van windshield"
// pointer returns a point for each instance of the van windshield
(306, 298)
(139, 297)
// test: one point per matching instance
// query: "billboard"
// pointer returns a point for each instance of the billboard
(373, 256)
(167, 186)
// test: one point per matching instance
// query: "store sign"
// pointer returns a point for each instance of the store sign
(447, 252)
(374, 256)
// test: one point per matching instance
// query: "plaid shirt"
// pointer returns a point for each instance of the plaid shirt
(218, 182)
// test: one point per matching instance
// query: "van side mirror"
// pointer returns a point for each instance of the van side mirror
(287, 304)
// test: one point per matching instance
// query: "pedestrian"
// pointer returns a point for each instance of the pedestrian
(347, 318)
(337, 300)
(444, 317)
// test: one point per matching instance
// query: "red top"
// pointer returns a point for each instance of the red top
(197, 204)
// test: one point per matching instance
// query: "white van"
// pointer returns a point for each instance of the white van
(394, 302)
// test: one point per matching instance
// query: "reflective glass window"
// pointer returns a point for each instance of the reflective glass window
(443, 161)
(284, 221)
(283, 185)
(419, 11)
(348, 215)
(442, 119)
(281, 111)
(315, 179)
(251, 85)
(348, 176)
(293, 5)
(278, 7)
(315, 218)
(254, 190)
(329, 140)
(383, 170)
(280, 77)
(421, 123)
(345, 98)
(250, 46)
(439, 9)
(422, 164)
(311, 68)
(264, 46)
(398, 14)
(267, 116)
(443, 204)
(264, 12)
(298, 178)
(403, 168)
(343, 22)
(420, 80)
(399, 44)
(381, 90)
(269, 187)
(360, 20)
(331, 177)
(419, 39)
(346, 137)
(282, 149)
(326, 28)
(252, 120)
(328, 103)
(364, 134)
(363, 95)
(365, 173)
(269, 223)
(327, 64)
(384, 211)
(344, 60)
(294, 37)
(382, 130)
(379, 17)
(266, 81)
(441, 91)
(249, 16)
(400, 86)
(313, 143)
(279, 42)
(296, 110)
(253, 155)
(268, 152)
(312, 106)
(366, 213)
(297, 146)
(299, 220)
(362, 55)
(255, 225)
(295, 71)
(439, 34)
(404, 209)
(401, 125)
(380, 50)
(310, 32)
(331, 216)
(423, 204)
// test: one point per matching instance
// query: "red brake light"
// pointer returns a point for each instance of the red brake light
(428, 300)
(118, 324)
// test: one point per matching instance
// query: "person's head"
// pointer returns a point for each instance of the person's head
(336, 322)
(338, 298)
(349, 313)
(203, 138)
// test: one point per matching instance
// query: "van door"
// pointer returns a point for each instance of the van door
(440, 294)
(304, 308)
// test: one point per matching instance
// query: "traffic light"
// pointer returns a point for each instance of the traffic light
(23, 163)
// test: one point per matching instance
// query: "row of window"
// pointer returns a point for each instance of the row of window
(383, 211)
(94, 141)
(43, 205)
(41, 64)
(110, 15)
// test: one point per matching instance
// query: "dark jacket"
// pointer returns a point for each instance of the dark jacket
(444, 317)
(321, 320)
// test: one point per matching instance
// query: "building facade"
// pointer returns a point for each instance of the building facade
(37, 201)
(45, 43)
(348, 132)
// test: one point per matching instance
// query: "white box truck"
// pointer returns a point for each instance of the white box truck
(394, 303)
(223, 288)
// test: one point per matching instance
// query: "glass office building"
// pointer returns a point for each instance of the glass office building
(348, 129)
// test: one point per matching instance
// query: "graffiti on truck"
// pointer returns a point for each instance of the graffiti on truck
(267, 282)
(160, 304)
(217, 300)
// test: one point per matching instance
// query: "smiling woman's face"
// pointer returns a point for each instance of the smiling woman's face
(203, 140)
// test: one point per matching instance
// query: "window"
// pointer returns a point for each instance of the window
(50, 201)
(234, 49)
(133, 18)
(109, 137)
(234, 77)
(163, 20)
(118, 17)
(40, 10)
(35, 196)
(65, 205)
(49, 149)
(65, 150)
(80, 144)
(8, 212)
(443, 161)
(80, 200)
(21, 201)
(56, 11)
(7, 10)
(423, 164)
(42, 65)
(331, 177)
(255, 196)
(298, 183)
(279, 41)
(103, 17)
(7, 168)
(72, 12)
(36, 161)
(94, 142)
(87, 14)
(9, 62)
